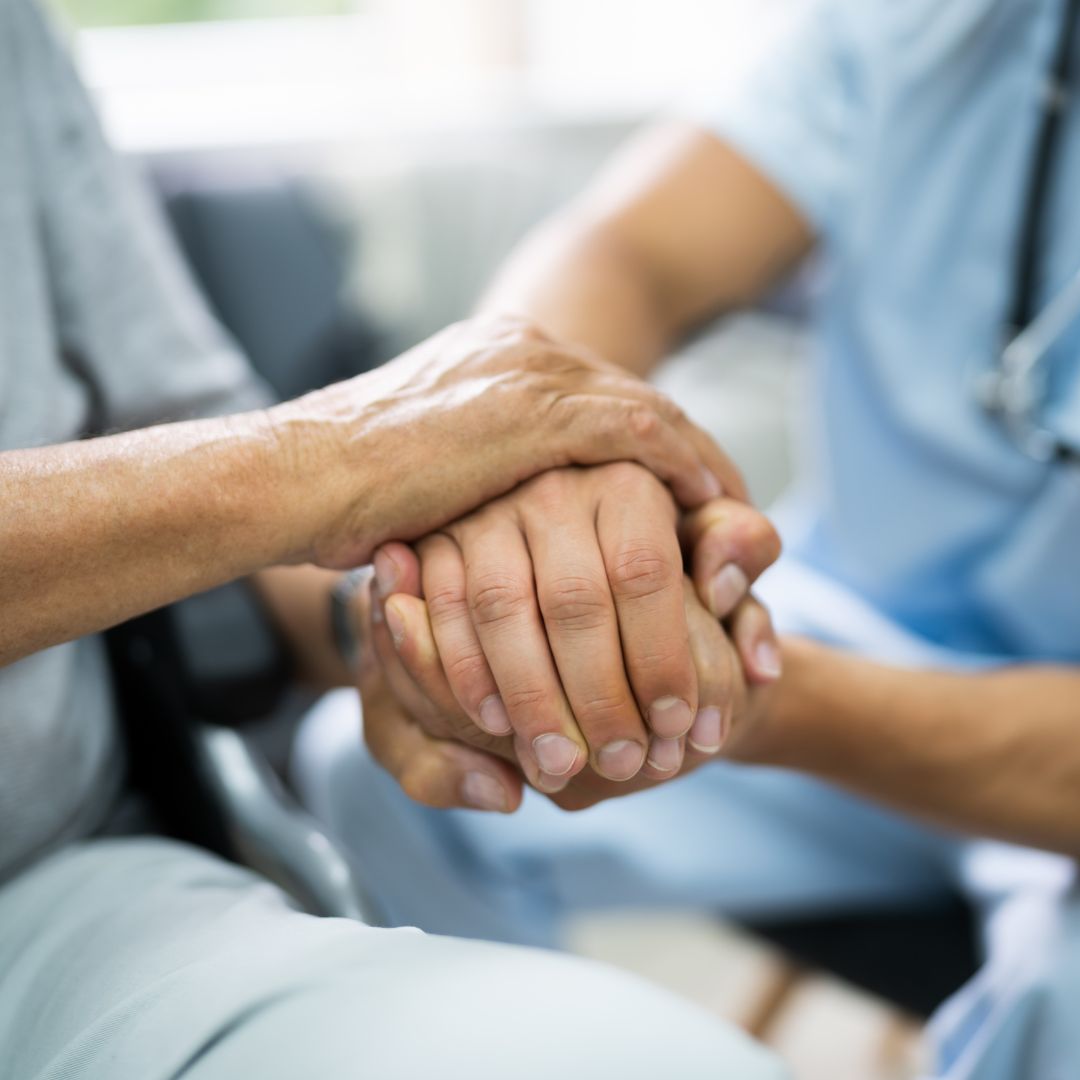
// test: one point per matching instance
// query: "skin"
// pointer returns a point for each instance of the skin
(939, 745)
(678, 230)
(416, 729)
(558, 612)
(165, 512)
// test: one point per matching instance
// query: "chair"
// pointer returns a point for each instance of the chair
(185, 678)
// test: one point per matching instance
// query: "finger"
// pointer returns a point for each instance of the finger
(502, 601)
(714, 660)
(636, 530)
(755, 639)
(599, 428)
(467, 671)
(715, 472)
(431, 771)
(397, 569)
(583, 631)
(731, 545)
(416, 659)
(434, 714)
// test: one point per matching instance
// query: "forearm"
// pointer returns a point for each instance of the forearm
(95, 532)
(578, 280)
(677, 230)
(993, 753)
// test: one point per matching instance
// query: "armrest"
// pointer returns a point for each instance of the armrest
(272, 834)
(204, 782)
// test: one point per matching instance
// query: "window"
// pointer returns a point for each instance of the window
(144, 12)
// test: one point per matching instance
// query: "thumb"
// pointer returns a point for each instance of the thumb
(397, 570)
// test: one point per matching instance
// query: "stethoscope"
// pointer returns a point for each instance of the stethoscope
(1015, 390)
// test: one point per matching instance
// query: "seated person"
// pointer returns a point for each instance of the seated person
(143, 959)
(926, 715)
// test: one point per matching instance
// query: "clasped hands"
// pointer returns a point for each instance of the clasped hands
(553, 637)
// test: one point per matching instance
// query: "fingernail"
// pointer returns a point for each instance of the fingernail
(555, 754)
(729, 586)
(385, 574)
(396, 624)
(493, 718)
(712, 486)
(483, 792)
(767, 659)
(551, 785)
(665, 755)
(707, 734)
(620, 760)
(670, 717)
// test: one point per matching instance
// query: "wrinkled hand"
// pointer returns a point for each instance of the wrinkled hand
(462, 418)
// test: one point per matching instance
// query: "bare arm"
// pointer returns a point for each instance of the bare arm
(96, 531)
(677, 229)
(992, 753)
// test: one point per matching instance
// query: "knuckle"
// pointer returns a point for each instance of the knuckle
(641, 570)
(468, 669)
(754, 532)
(446, 603)
(628, 477)
(630, 482)
(500, 599)
(549, 489)
(659, 661)
(772, 543)
(532, 332)
(663, 406)
(416, 783)
(643, 422)
(576, 604)
(436, 723)
(524, 698)
(599, 708)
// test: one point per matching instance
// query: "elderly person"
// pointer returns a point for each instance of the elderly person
(142, 959)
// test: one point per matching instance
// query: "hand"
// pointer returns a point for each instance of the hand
(415, 728)
(462, 418)
(558, 614)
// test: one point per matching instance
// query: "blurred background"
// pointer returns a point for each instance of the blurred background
(344, 175)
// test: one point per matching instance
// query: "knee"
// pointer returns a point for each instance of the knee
(531, 1014)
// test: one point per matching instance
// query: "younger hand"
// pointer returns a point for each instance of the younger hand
(559, 616)
(415, 728)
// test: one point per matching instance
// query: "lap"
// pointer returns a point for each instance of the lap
(751, 842)
(146, 959)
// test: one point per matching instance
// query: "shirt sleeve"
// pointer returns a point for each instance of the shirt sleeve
(796, 111)
(129, 319)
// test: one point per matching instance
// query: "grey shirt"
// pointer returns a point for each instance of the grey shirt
(100, 329)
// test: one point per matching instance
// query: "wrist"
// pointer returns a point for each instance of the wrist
(316, 472)
(780, 712)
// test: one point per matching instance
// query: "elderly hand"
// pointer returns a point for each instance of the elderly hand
(462, 418)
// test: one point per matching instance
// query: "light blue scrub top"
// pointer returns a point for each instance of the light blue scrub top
(903, 130)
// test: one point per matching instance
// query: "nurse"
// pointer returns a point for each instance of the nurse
(929, 700)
